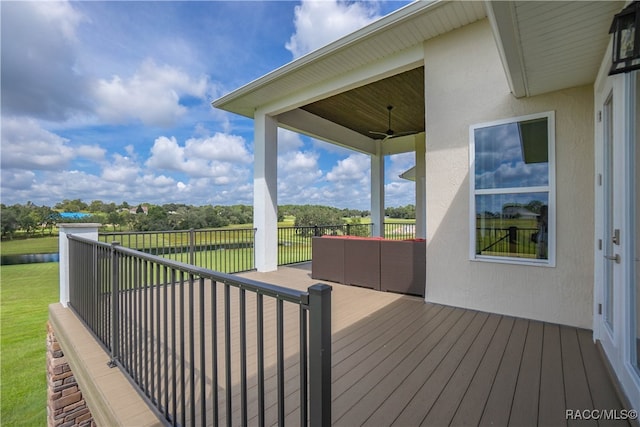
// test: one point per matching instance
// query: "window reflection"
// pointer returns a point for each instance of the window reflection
(512, 155)
(514, 225)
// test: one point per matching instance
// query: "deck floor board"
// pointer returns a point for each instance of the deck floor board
(400, 361)
(397, 360)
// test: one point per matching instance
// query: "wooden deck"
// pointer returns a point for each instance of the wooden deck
(398, 361)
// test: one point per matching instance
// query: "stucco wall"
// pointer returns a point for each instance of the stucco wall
(465, 84)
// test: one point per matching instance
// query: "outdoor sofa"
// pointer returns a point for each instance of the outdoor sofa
(371, 262)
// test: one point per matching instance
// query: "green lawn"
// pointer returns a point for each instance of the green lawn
(40, 245)
(25, 293)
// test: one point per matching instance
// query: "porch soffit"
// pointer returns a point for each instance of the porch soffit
(551, 45)
(364, 109)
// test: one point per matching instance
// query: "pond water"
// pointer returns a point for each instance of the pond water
(28, 259)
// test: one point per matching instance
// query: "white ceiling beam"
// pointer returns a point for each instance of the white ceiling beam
(503, 20)
(302, 121)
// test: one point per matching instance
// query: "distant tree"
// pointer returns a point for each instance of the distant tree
(155, 220)
(534, 206)
(9, 220)
(357, 228)
(115, 219)
(27, 220)
(310, 215)
(402, 212)
(96, 206)
(75, 205)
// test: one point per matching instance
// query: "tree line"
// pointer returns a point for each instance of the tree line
(31, 220)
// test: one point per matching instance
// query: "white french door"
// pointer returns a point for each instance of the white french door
(616, 291)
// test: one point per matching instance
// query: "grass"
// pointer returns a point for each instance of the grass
(40, 245)
(25, 293)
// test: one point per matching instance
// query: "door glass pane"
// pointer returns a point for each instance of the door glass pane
(608, 212)
(636, 307)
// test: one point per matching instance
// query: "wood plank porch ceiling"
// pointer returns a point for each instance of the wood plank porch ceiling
(364, 109)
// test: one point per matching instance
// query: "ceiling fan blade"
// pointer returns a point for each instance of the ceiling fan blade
(373, 132)
(407, 133)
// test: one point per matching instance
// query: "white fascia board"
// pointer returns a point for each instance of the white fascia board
(309, 124)
(403, 61)
(501, 15)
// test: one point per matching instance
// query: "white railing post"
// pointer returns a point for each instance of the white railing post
(88, 231)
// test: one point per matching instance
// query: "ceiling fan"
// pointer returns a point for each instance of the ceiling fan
(390, 133)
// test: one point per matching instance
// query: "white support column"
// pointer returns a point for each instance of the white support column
(421, 196)
(265, 192)
(88, 231)
(377, 191)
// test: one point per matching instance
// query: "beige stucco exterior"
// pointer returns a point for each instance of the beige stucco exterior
(465, 84)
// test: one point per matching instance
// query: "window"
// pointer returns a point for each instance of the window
(513, 190)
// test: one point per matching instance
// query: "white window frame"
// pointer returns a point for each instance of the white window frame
(550, 189)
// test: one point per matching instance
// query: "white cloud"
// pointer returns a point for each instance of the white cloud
(39, 69)
(400, 193)
(399, 163)
(224, 158)
(355, 169)
(152, 95)
(122, 170)
(17, 179)
(288, 141)
(25, 145)
(321, 22)
(221, 146)
(91, 152)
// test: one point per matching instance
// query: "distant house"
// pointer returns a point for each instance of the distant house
(502, 103)
(139, 209)
(518, 212)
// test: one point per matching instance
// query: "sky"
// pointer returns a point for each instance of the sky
(111, 101)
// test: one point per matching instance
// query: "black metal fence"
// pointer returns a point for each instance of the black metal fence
(294, 243)
(232, 250)
(229, 250)
(206, 348)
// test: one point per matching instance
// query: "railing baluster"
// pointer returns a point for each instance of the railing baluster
(227, 350)
(260, 351)
(192, 351)
(166, 342)
(203, 373)
(280, 359)
(115, 292)
(214, 351)
(174, 381)
(183, 402)
(303, 367)
(145, 324)
(243, 356)
(153, 290)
